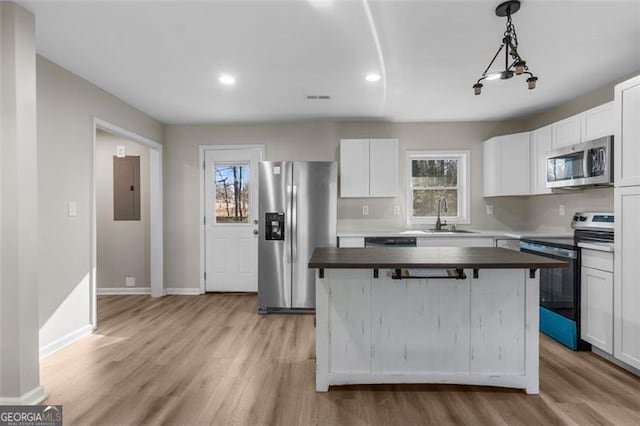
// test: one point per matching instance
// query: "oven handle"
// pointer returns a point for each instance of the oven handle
(554, 251)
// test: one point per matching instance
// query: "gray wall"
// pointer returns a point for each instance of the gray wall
(123, 246)
(66, 107)
(316, 140)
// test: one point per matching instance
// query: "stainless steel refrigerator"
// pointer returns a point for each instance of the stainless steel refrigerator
(298, 212)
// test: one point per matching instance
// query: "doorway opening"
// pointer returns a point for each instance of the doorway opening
(126, 217)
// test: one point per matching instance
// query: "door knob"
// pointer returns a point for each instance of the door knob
(255, 221)
(255, 232)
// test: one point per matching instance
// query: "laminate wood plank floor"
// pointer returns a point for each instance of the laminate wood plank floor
(212, 359)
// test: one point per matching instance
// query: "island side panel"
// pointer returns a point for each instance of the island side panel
(420, 326)
(532, 331)
(322, 333)
(498, 322)
(349, 321)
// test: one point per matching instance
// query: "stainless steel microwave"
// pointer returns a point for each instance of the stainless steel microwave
(585, 164)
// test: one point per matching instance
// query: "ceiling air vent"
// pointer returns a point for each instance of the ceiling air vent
(318, 97)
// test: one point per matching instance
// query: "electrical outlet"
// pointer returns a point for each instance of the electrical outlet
(396, 209)
(562, 210)
(365, 210)
(72, 209)
(489, 209)
(130, 282)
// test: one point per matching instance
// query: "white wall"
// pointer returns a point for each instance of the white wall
(316, 140)
(122, 245)
(66, 107)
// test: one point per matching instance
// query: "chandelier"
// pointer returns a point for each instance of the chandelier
(513, 63)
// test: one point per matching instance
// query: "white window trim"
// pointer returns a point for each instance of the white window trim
(464, 177)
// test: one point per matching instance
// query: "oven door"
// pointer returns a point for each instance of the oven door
(558, 286)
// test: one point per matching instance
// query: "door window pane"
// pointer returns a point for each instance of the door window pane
(232, 193)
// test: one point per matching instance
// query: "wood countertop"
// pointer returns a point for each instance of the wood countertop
(429, 257)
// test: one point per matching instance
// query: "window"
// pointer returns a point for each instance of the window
(232, 193)
(435, 175)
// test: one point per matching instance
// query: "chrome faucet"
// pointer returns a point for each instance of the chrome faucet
(441, 223)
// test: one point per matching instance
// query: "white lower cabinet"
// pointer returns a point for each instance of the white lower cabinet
(627, 276)
(350, 242)
(596, 314)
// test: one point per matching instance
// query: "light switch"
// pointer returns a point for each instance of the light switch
(489, 209)
(396, 209)
(121, 151)
(365, 210)
(73, 209)
(561, 210)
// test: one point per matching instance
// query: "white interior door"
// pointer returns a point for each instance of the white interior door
(231, 202)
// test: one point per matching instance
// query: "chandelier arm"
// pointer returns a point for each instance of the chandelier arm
(493, 60)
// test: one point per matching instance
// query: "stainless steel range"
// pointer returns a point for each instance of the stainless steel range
(560, 288)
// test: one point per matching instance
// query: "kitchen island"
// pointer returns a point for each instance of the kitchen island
(427, 315)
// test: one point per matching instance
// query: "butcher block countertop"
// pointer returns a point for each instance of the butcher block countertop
(429, 257)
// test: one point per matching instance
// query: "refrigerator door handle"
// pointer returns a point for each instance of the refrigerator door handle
(289, 225)
(294, 224)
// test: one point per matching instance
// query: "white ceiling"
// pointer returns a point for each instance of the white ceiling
(164, 57)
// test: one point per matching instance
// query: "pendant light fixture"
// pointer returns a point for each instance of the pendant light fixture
(513, 63)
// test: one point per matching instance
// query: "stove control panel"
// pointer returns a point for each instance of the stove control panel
(593, 221)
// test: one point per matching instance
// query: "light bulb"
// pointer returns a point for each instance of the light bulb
(532, 82)
(520, 67)
(477, 88)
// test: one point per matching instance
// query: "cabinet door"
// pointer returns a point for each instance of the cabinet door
(490, 161)
(383, 168)
(627, 135)
(541, 144)
(514, 174)
(567, 132)
(354, 168)
(351, 242)
(596, 306)
(598, 122)
(627, 276)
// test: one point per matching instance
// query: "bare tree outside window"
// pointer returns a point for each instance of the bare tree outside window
(432, 179)
(232, 193)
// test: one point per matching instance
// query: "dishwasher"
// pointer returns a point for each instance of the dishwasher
(390, 242)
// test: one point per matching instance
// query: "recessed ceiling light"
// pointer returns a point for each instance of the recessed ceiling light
(373, 77)
(227, 79)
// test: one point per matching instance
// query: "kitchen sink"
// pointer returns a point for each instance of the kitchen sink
(450, 231)
(434, 231)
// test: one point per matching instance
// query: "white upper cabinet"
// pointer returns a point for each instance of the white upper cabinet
(506, 165)
(541, 144)
(598, 122)
(383, 167)
(369, 168)
(490, 161)
(588, 125)
(627, 134)
(567, 132)
(354, 168)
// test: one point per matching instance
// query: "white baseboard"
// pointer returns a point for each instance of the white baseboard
(65, 341)
(33, 397)
(123, 290)
(193, 291)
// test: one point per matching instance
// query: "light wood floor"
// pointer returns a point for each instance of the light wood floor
(212, 360)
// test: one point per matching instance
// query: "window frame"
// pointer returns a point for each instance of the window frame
(464, 185)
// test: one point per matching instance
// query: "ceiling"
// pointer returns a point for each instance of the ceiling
(165, 57)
